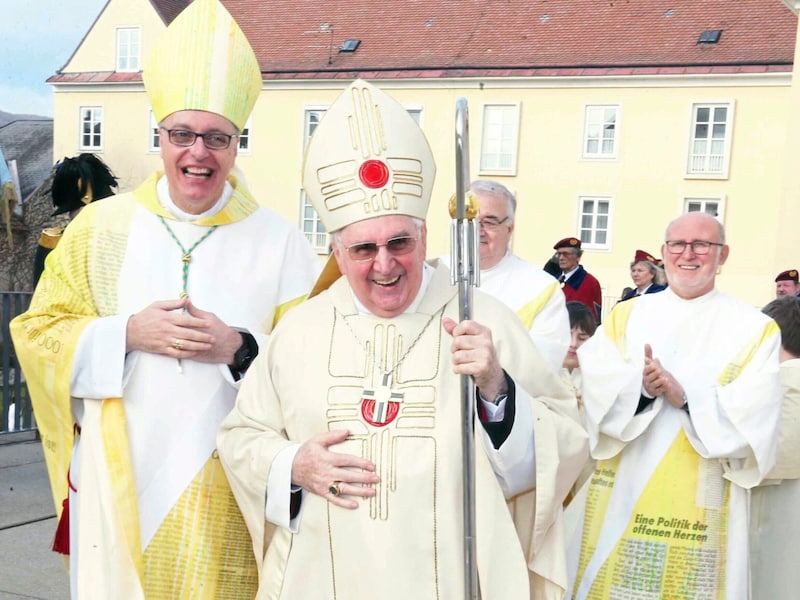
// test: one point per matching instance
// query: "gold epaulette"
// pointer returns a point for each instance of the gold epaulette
(49, 237)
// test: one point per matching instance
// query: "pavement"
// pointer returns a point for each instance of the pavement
(28, 568)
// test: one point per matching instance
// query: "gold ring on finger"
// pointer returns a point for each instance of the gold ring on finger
(335, 488)
(177, 344)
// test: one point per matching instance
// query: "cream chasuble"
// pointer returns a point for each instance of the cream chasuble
(665, 513)
(406, 541)
(156, 516)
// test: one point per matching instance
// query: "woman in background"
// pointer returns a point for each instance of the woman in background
(648, 277)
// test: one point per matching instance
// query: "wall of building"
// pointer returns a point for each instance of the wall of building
(97, 50)
(646, 181)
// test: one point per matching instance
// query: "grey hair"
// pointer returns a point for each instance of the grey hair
(489, 186)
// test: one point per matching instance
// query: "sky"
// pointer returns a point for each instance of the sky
(38, 37)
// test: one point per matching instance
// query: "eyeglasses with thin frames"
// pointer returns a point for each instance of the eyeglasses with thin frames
(397, 246)
(492, 223)
(213, 140)
(698, 246)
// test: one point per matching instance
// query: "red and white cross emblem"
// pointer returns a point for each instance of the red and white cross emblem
(380, 406)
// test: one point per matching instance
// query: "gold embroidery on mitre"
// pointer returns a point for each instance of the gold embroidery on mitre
(203, 61)
(367, 158)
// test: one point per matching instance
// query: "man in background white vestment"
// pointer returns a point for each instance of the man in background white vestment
(681, 399)
(151, 308)
(526, 289)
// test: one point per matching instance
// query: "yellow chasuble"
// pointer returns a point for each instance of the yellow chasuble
(201, 548)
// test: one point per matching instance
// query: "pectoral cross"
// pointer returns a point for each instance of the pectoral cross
(380, 406)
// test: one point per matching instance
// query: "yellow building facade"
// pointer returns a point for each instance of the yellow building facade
(610, 157)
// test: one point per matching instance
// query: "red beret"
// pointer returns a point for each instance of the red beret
(641, 255)
(569, 242)
(790, 275)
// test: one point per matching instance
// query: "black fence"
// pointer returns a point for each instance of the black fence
(15, 404)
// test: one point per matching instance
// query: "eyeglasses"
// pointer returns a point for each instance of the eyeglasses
(698, 246)
(364, 251)
(212, 140)
(492, 222)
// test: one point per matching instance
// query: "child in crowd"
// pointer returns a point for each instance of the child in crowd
(582, 327)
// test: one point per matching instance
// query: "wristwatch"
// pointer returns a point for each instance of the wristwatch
(499, 399)
(244, 355)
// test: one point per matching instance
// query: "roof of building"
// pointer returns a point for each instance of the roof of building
(30, 143)
(169, 9)
(504, 38)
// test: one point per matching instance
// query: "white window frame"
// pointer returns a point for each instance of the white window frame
(245, 139)
(129, 49)
(153, 139)
(311, 224)
(416, 113)
(713, 161)
(95, 120)
(596, 128)
(704, 203)
(499, 138)
(594, 229)
(312, 227)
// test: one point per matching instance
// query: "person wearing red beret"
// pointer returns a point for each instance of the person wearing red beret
(577, 283)
(786, 283)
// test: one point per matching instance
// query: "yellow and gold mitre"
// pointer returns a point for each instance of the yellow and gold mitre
(203, 61)
(367, 158)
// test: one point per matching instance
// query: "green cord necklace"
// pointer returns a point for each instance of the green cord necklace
(186, 257)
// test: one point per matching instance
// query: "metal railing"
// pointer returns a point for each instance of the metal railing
(16, 413)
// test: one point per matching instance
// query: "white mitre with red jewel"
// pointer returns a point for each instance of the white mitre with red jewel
(367, 158)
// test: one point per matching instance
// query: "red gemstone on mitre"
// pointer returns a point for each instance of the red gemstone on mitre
(373, 173)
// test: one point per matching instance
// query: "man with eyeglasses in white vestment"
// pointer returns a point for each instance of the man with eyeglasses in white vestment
(345, 442)
(525, 288)
(682, 397)
(150, 310)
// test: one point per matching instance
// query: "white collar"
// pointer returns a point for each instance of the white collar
(568, 275)
(162, 190)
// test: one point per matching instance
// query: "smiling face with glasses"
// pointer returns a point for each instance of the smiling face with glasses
(382, 259)
(496, 228)
(693, 251)
(198, 149)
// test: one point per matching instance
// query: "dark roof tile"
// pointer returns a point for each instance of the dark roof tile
(481, 38)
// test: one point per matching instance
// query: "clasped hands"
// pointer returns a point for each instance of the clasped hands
(341, 478)
(657, 381)
(179, 329)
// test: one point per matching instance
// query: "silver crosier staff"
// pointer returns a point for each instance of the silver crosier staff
(465, 272)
